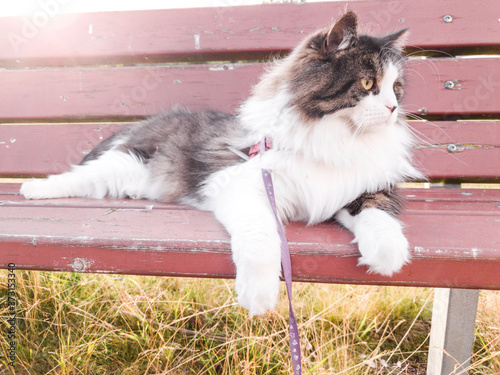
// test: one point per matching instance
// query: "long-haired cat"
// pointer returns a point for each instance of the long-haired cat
(340, 146)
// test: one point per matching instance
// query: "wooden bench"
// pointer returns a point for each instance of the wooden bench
(69, 81)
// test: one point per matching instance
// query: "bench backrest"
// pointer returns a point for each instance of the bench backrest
(70, 80)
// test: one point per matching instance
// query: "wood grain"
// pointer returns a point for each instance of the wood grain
(176, 240)
(218, 33)
(30, 149)
(137, 92)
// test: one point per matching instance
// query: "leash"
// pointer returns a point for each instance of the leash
(286, 264)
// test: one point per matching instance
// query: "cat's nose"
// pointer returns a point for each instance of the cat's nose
(391, 108)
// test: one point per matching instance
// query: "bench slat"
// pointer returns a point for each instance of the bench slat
(185, 242)
(49, 38)
(120, 93)
(443, 200)
(30, 150)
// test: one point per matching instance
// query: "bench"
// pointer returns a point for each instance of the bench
(69, 81)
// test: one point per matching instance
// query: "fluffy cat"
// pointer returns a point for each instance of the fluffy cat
(340, 146)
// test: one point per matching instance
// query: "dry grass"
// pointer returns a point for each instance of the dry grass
(101, 324)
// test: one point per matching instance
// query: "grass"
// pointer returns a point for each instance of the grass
(104, 324)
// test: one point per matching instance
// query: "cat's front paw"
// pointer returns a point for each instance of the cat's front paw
(382, 244)
(257, 289)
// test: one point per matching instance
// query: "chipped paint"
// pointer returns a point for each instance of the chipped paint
(474, 252)
(91, 29)
(137, 243)
(197, 41)
(457, 147)
(146, 208)
(418, 249)
(83, 239)
(216, 68)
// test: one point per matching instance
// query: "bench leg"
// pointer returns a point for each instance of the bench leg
(452, 331)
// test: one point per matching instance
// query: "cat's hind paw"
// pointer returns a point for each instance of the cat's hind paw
(39, 189)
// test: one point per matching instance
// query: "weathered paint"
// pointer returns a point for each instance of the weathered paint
(454, 239)
(139, 91)
(36, 152)
(161, 35)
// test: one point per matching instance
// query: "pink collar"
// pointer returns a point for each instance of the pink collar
(255, 149)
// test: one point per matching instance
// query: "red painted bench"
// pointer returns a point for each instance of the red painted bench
(72, 80)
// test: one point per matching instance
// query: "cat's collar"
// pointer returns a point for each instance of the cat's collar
(255, 149)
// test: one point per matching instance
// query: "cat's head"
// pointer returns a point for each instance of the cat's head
(358, 77)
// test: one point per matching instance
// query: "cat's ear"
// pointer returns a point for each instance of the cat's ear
(341, 34)
(397, 40)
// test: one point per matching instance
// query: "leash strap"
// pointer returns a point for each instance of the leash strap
(287, 269)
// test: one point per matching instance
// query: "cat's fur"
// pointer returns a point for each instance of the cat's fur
(339, 150)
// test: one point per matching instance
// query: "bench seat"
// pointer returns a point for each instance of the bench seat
(151, 238)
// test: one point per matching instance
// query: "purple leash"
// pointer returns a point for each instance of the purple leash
(287, 269)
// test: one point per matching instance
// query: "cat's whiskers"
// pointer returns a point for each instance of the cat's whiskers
(420, 137)
(360, 129)
(415, 117)
(408, 70)
(418, 118)
(425, 60)
(422, 50)
(433, 143)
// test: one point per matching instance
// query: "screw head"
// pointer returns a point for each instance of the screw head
(447, 18)
(449, 85)
(78, 264)
(424, 111)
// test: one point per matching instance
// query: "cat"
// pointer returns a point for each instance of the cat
(332, 109)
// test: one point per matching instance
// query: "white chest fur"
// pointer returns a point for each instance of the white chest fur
(320, 169)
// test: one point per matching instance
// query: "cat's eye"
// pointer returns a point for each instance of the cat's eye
(367, 83)
(397, 86)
